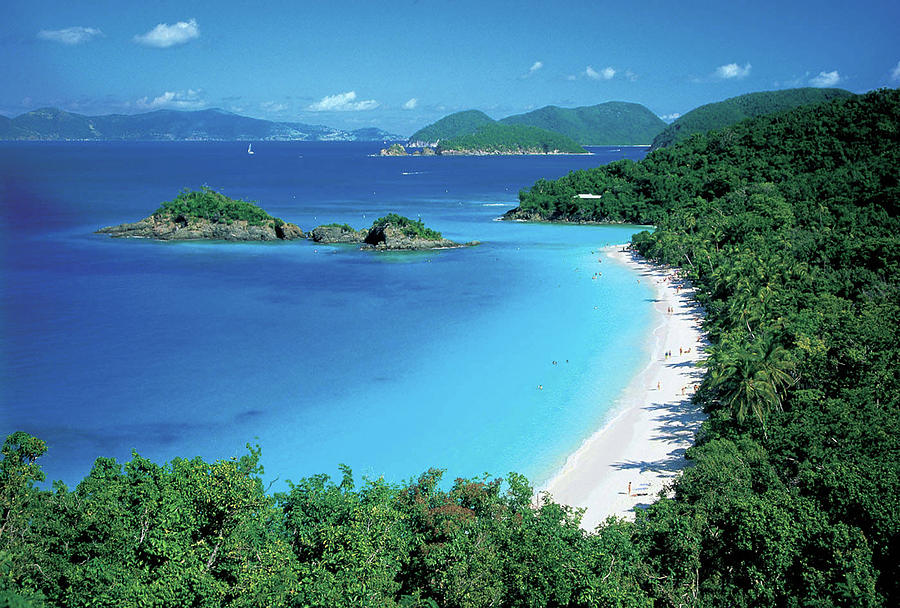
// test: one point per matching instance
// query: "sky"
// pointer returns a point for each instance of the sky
(402, 64)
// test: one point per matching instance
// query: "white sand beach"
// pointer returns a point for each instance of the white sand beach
(654, 423)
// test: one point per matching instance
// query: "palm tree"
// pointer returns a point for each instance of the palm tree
(752, 378)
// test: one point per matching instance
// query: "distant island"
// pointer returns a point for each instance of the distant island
(392, 232)
(732, 111)
(611, 123)
(53, 124)
(207, 215)
(474, 133)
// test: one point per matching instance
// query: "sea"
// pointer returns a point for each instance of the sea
(479, 361)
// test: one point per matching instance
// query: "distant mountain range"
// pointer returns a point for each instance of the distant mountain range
(732, 111)
(50, 124)
(610, 123)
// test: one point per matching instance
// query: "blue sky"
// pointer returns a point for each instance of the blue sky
(400, 65)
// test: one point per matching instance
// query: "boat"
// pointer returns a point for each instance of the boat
(250, 149)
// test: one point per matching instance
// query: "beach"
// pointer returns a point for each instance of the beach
(626, 464)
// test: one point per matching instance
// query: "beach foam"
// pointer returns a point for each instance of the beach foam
(655, 422)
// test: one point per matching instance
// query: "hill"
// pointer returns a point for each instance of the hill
(787, 224)
(734, 110)
(497, 138)
(610, 123)
(48, 124)
(454, 125)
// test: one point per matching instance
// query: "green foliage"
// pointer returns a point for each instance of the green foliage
(454, 125)
(210, 205)
(498, 138)
(185, 533)
(189, 533)
(411, 228)
(343, 227)
(732, 111)
(611, 123)
(787, 225)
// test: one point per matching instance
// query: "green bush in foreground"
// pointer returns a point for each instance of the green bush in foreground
(191, 533)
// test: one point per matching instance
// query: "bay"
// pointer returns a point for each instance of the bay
(496, 358)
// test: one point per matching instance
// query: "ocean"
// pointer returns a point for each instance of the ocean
(483, 360)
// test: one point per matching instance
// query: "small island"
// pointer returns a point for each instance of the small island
(392, 232)
(207, 215)
(394, 150)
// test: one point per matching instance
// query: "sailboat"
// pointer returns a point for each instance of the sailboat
(250, 149)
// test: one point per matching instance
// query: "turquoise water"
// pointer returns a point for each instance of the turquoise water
(391, 363)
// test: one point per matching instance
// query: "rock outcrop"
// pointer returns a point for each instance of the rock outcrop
(392, 238)
(182, 228)
(333, 233)
(394, 150)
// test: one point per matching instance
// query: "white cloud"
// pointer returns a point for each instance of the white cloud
(671, 117)
(70, 35)
(604, 74)
(825, 79)
(631, 76)
(189, 100)
(895, 73)
(535, 67)
(571, 77)
(165, 35)
(343, 102)
(733, 70)
(273, 106)
(411, 104)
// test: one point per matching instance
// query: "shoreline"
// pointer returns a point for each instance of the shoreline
(643, 444)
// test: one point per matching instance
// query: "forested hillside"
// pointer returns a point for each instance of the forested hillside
(787, 225)
(611, 123)
(496, 138)
(732, 111)
(454, 125)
